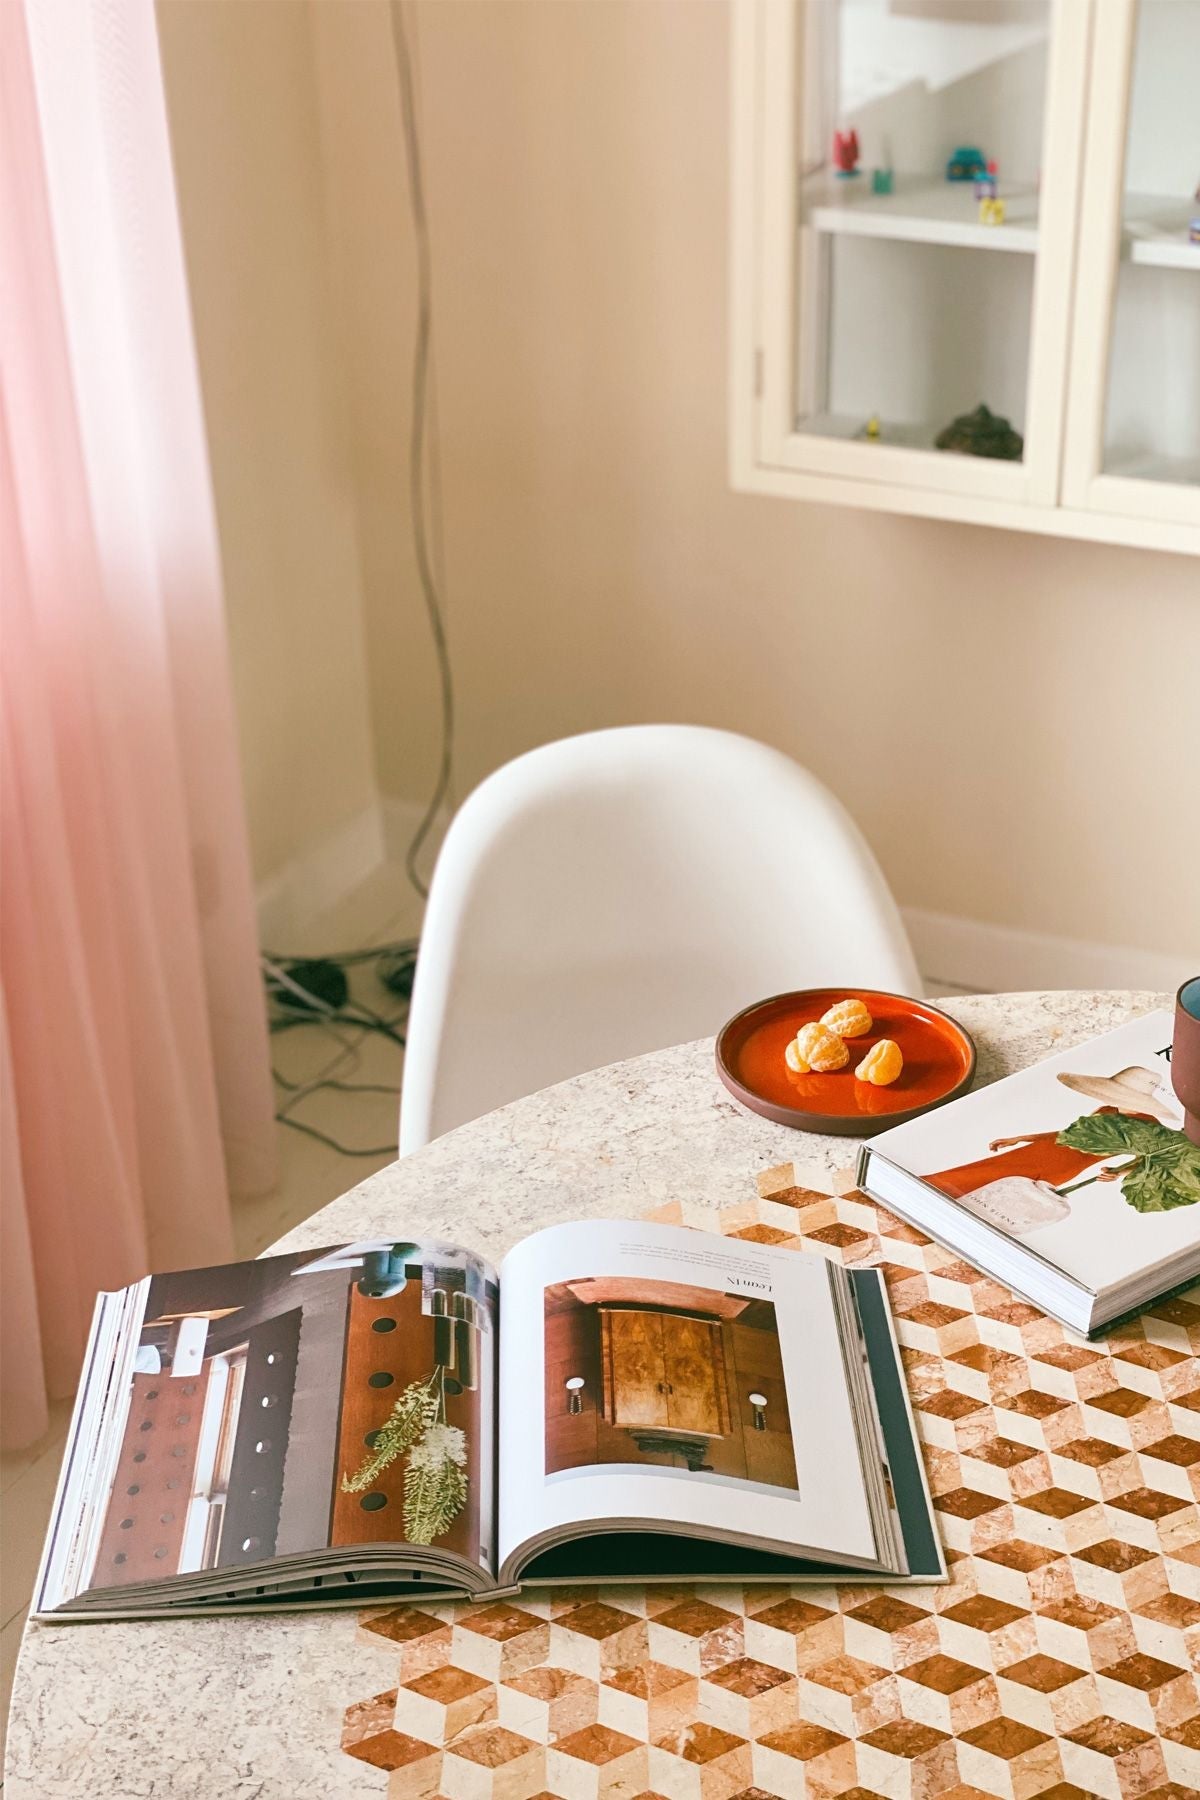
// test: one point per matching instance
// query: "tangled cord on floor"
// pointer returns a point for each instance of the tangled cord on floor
(314, 994)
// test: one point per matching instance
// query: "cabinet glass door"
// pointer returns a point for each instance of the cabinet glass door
(1133, 443)
(932, 170)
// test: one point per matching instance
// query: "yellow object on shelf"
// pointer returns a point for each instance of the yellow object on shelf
(991, 211)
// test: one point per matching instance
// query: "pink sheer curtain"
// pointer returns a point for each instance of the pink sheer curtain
(134, 1076)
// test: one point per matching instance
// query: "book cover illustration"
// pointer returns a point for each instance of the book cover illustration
(1086, 1183)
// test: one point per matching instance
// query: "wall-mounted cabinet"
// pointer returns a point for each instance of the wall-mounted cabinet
(881, 296)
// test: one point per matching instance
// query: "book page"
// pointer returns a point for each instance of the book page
(299, 1404)
(654, 1374)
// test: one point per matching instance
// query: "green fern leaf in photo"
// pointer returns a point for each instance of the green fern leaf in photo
(435, 1475)
(415, 1410)
(435, 1483)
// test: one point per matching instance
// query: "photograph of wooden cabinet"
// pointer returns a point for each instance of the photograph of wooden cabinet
(664, 1379)
(659, 1372)
(665, 1369)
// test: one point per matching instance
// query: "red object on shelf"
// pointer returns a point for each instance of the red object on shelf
(845, 152)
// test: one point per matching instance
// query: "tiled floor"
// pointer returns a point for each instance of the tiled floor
(311, 1173)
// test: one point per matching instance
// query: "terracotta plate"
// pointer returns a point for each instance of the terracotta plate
(939, 1063)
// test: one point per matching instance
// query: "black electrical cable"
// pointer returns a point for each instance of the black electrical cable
(310, 1008)
(420, 397)
(323, 1137)
(323, 1004)
(343, 1087)
(307, 1005)
(383, 1026)
(303, 1089)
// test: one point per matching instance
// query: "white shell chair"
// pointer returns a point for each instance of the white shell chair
(622, 891)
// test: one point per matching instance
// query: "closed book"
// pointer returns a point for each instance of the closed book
(1072, 1182)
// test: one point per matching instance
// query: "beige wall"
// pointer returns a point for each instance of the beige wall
(374, 285)
(242, 101)
(1013, 720)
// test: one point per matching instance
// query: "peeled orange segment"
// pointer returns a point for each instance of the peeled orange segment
(794, 1060)
(849, 1019)
(882, 1063)
(821, 1048)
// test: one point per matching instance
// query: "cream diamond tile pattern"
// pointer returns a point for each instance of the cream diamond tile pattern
(1061, 1661)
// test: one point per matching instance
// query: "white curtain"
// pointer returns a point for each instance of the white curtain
(136, 1083)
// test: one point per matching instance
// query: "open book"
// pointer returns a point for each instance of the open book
(1071, 1182)
(400, 1420)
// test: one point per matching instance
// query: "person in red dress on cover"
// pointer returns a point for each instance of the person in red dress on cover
(1040, 1157)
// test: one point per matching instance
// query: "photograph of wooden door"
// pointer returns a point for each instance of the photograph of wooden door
(663, 1371)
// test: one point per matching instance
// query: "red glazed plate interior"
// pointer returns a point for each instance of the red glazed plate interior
(938, 1059)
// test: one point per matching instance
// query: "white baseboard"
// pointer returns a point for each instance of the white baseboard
(293, 900)
(982, 958)
(316, 879)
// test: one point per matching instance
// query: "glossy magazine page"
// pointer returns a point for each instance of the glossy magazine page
(308, 1410)
(667, 1376)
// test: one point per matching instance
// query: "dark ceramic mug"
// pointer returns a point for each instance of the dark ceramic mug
(1185, 1055)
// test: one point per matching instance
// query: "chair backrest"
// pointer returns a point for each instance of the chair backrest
(622, 891)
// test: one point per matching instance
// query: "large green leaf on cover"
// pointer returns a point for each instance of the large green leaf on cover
(1149, 1187)
(1108, 1134)
(1165, 1171)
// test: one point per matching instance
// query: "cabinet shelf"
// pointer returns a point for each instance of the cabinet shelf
(1184, 470)
(920, 211)
(1155, 228)
(846, 428)
(894, 434)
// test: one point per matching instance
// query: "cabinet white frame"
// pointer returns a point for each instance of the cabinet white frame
(1085, 485)
(770, 454)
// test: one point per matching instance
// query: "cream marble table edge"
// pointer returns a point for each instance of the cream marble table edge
(251, 1709)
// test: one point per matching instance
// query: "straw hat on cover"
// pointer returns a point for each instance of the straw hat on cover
(1129, 1090)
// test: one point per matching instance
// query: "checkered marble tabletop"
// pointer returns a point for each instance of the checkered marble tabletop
(1061, 1660)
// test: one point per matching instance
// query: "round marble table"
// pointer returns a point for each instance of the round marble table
(704, 1694)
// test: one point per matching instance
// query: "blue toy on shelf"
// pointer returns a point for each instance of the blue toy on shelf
(966, 164)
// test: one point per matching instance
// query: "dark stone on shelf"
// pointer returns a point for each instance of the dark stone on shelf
(982, 433)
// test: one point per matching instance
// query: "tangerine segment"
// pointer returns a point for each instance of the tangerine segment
(821, 1048)
(849, 1019)
(882, 1063)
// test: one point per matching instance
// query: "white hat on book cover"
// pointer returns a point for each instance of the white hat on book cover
(1132, 1090)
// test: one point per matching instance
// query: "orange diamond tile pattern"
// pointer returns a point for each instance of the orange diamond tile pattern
(1062, 1659)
